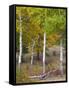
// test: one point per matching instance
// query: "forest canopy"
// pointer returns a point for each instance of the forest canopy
(36, 21)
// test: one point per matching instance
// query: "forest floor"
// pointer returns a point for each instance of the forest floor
(26, 71)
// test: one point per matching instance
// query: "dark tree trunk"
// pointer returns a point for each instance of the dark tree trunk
(38, 55)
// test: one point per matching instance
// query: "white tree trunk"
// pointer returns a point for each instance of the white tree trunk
(61, 51)
(33, 43)
(20, 47)
(61, 57)
(32, 56)
(32, 53)
(44, 46)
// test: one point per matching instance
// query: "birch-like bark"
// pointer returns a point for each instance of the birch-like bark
(31, 61)
(32, 52)
(61, 57)
(20, 47)
(61, 51)
(44, 46)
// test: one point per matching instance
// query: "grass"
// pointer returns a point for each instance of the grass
(22, 74)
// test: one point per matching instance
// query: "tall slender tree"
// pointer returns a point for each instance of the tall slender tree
(20, 46)
(61, 57)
